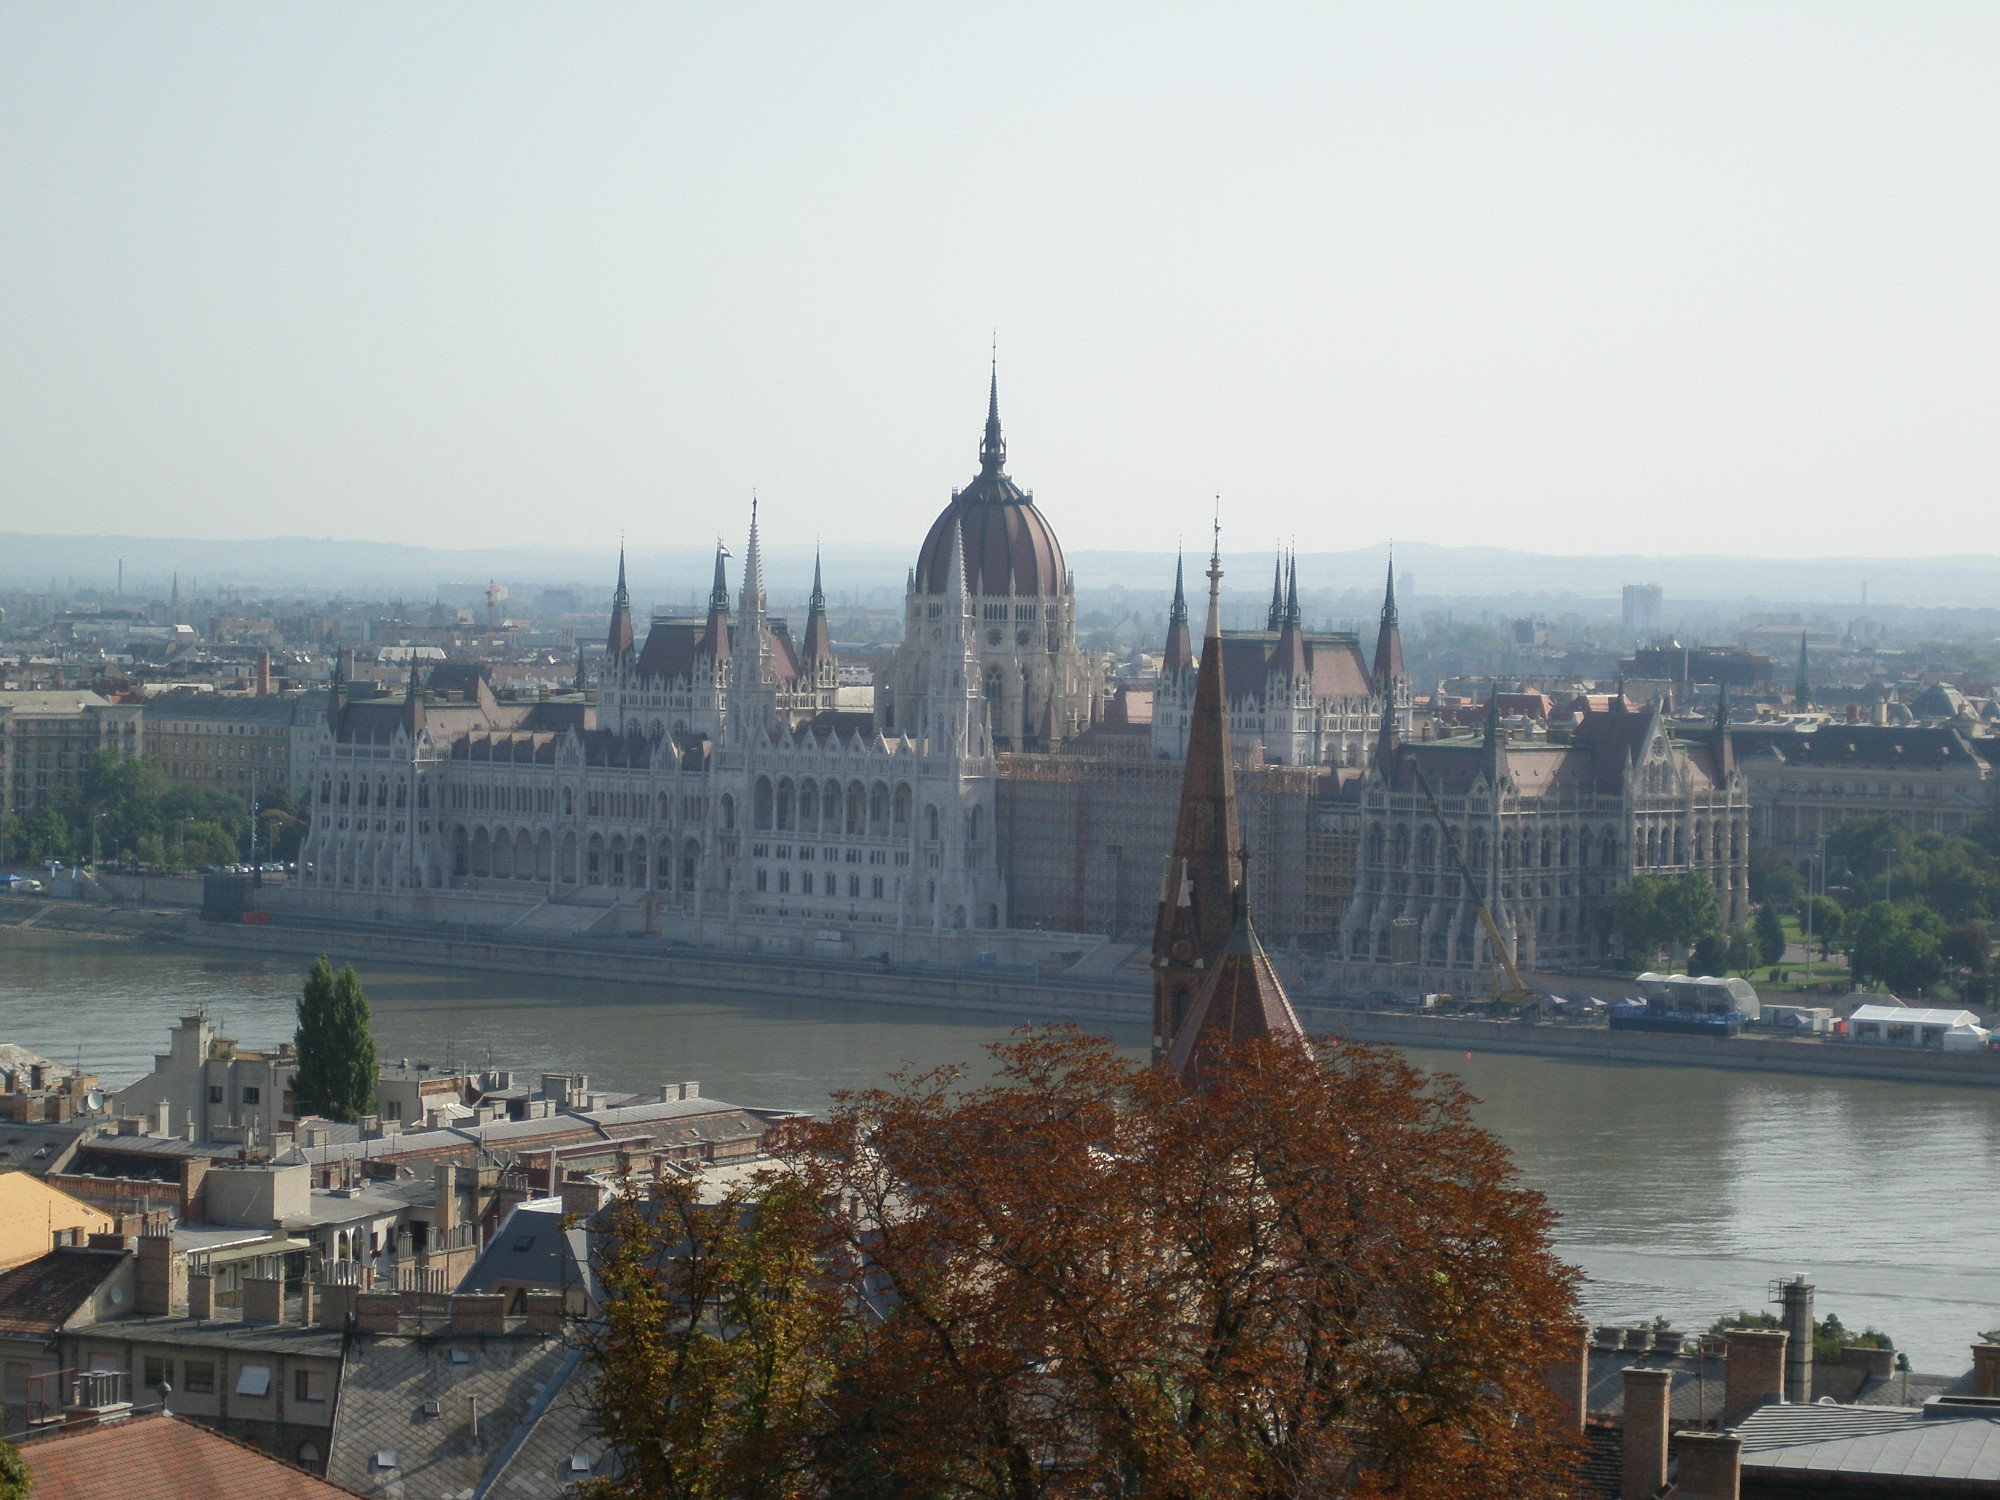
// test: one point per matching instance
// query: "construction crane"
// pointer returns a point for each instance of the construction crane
(1508, 987)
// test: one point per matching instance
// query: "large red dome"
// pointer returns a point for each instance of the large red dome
(1010, 548)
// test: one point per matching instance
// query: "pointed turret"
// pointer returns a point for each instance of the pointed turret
(1494, 744)
(714, 642)
(413, 701)
(1719, 742)
(1289, 659)
(582, 672)
(1241, 1000)
(336, 695)
(753, 574)
(1179, 656)
(1275, 616)
(618, 643)
(1388, 638)
(1197, 896)
(1802, 687)
(817, 647)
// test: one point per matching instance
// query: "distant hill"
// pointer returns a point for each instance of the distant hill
(680, 575)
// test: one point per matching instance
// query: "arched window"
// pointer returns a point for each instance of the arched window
(903, 807)
(878, 810)
(931, 822)
(727, 807)
(975, 827)
(690, 864)
(787, 804)
(808, 807)
(760, 802)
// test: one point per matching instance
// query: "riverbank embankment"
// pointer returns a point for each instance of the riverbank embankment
(1116, 997)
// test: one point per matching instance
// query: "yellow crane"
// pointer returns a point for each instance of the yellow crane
(1508, 987)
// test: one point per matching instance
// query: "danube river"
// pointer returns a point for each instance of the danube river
(1682, 1191)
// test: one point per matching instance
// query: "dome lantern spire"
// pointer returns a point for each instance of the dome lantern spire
(993, 447)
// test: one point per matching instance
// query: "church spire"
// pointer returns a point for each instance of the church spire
(1293, 616)
(818, 644)
(1802, 687)
(619, 641)
(1276, 615)
(1197, 897)
(1177, 657)
(753, 572)
(1388, 640)
(714, 643)
(1241, 1000)
(992, 447)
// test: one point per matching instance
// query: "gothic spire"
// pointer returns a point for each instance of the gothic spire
(1241, 1000)
(1719, 741)
(818, 644)
(619, 640)
(714, 643)
(1177, 657)
(1292, 613)
(1802, 688)
(753, 571)
(992, 447)
(1289, 658)
(1276, 615)
(1389, 639)
(1196, 912)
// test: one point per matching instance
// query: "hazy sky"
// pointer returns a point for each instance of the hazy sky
(1575, 278)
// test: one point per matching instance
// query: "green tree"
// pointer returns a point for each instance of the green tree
(1827, 920)
(1687, 908)
(1710, 955)
(336, 1073)
(15, 1480)
(1743, 948)
(1896, 946)
(1968, 949)
(1770, 934)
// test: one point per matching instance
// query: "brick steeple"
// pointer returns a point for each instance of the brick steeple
(1198, 891)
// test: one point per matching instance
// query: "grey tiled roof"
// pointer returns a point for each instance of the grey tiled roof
(1694, 1396)
(561, 1450)
(531, 1249)
(1880, 1441)
(386, 1382)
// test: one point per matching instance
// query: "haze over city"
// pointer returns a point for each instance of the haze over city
(1694, 279)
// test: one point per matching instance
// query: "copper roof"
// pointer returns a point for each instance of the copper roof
(1009, 547)
(1243, 1000)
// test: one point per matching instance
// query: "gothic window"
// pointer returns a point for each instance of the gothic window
(931, 822)
(902, 813)
(727, 809)
(690, 863)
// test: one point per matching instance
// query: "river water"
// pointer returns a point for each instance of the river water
(1681, 1191)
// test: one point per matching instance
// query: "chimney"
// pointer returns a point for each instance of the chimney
(479, 1312)
(163, 1120)
(263, 1299)
(581, 1197)
(545, 1311)
(1873, 1363)
(1568, 1379)
(1986, 1369)
(1754, 1373)
(1711, 1465)
(333, 1304)
(160, 1281)
(444, 1214)
(378, 1312)
(201, 1296)
(1646, 1395)
(1797, 1297)
(263, 674)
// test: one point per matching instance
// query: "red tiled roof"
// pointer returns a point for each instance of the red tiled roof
(160, 1457)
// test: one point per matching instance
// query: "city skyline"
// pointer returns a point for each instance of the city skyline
(1687, 282)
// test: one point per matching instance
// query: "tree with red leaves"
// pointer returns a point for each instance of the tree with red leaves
(1312, 1277)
